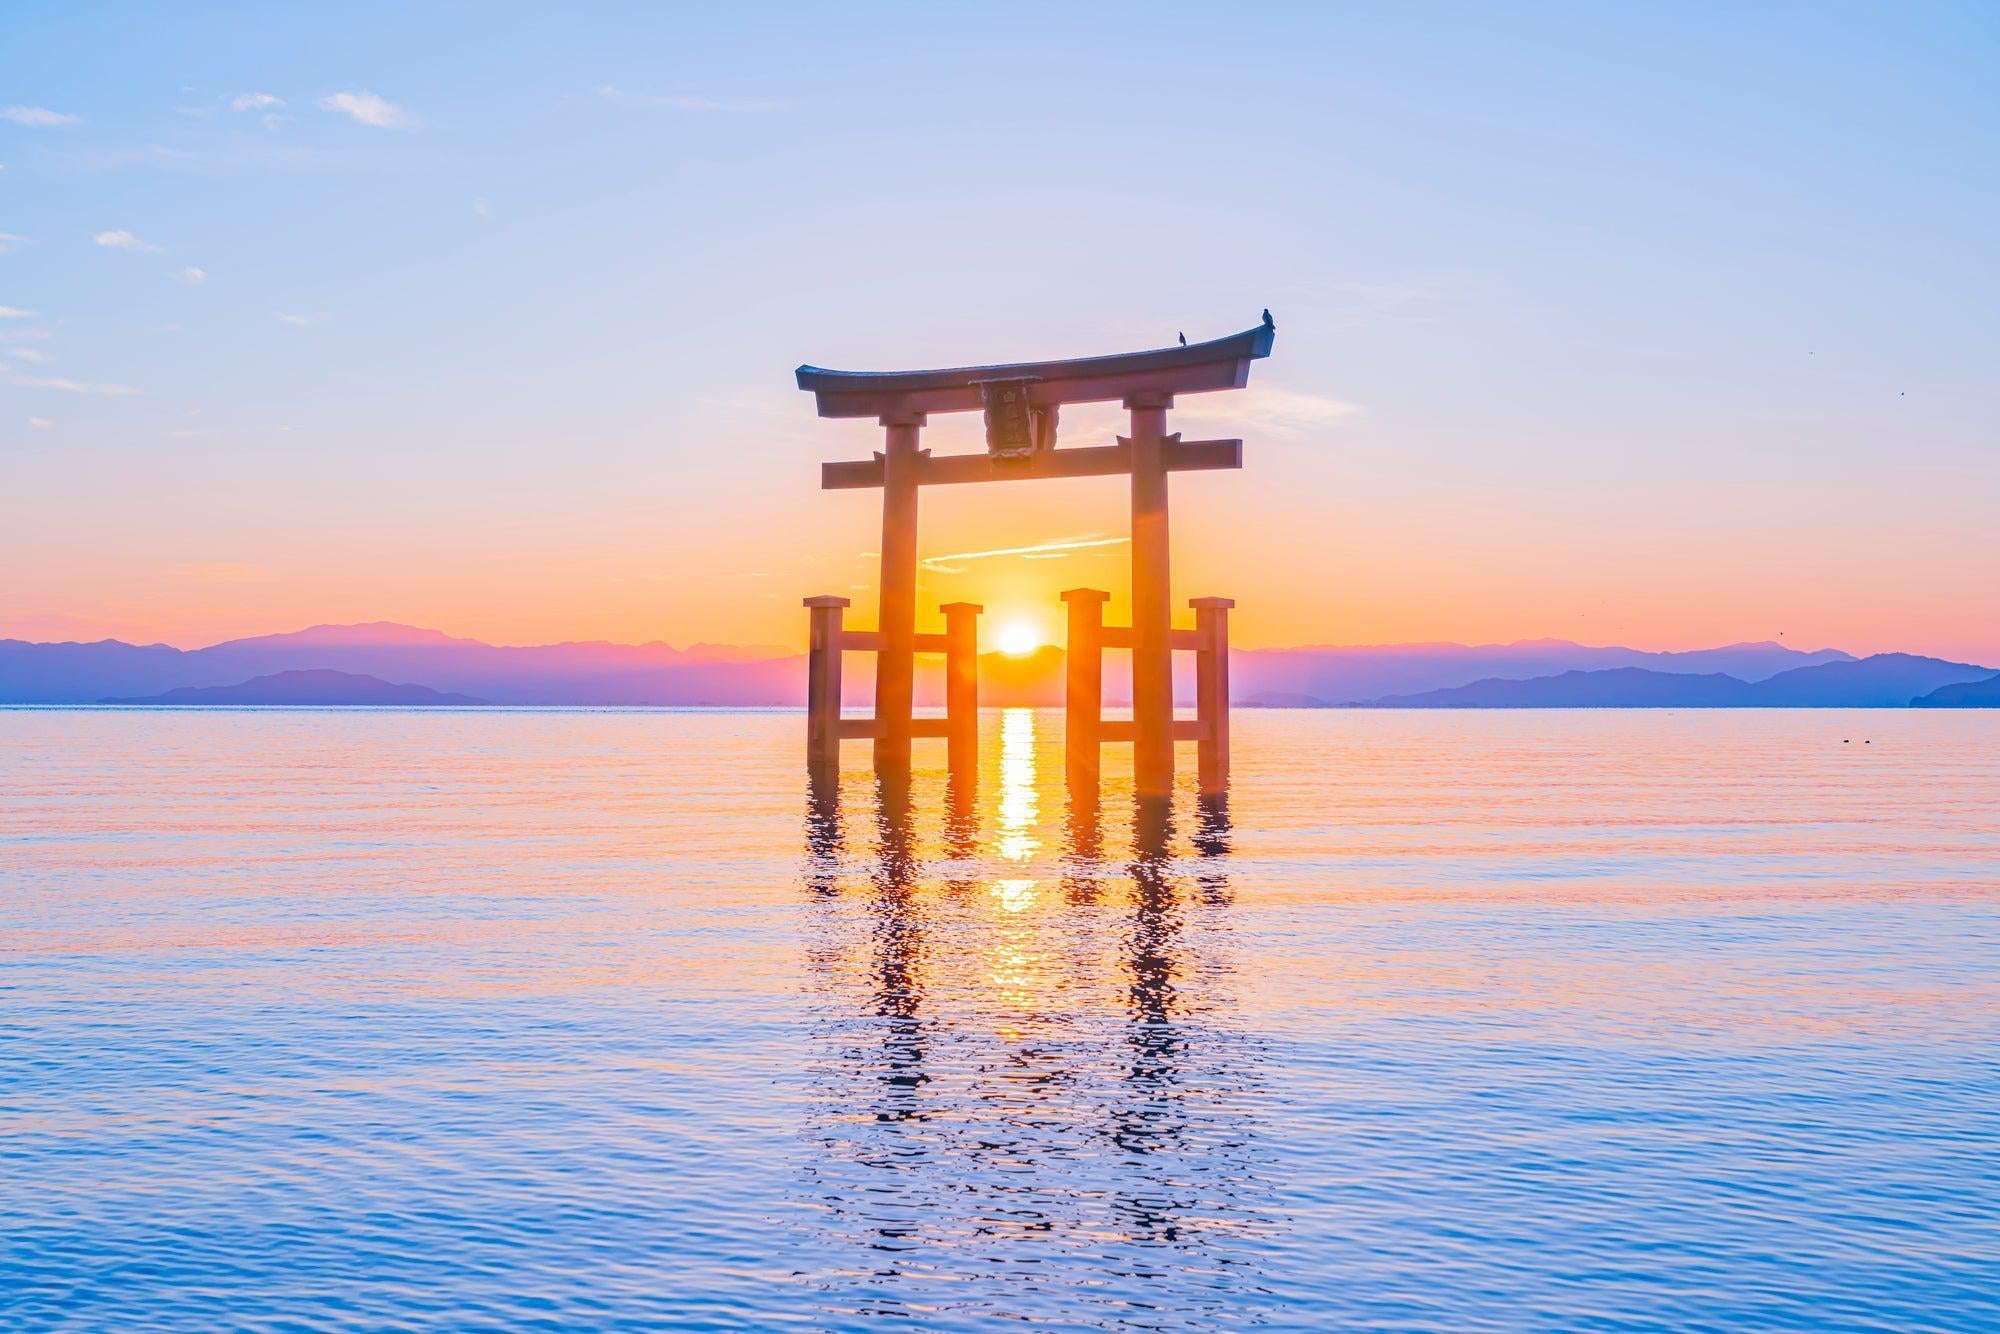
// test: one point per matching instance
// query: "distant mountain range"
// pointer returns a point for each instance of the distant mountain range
(575, 673)
(318, 688)
(1536, 673)
(1887, 680)
(1347, 675)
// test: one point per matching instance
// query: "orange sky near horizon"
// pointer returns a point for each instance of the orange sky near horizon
(1323, 538)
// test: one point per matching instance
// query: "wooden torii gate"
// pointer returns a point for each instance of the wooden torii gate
(1021, 402)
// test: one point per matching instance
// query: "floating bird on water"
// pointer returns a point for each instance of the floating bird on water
(1269, 323)
(1183, 338)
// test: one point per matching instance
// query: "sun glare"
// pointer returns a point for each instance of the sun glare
(1018, 640)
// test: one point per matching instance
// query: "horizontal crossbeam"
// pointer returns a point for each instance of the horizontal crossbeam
(870, 641)
(1120, 636)
(852, 729)
(1177, 455)
(1185, 729)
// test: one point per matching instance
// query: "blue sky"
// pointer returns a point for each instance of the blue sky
(1666, 325)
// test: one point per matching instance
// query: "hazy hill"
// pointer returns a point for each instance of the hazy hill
(578, 673)
(1338, 675)
(1036, 678)
(1887, 680)
(586, 672)
(1615, 688)
(73, 673)
(1964, 695)
(305, 688)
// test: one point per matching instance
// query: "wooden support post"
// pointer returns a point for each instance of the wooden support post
(823, 683)
(895, 664)
(1083, 700)
(961, 688)
(1152, 600)
(1211, 690)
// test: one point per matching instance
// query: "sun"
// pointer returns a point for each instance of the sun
(1018, 640)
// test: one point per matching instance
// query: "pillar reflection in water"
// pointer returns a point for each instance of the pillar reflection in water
(1031, 1078)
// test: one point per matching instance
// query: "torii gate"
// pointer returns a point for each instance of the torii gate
(1021, 402)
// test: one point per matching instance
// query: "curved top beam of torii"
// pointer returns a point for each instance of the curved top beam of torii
(1220, 363)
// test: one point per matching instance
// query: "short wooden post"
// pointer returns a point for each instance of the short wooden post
(961, 687)
(1083, 701)
(823, 683)
(1211, 689)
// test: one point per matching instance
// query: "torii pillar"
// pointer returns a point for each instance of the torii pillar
(1152, 598)
(895, 664)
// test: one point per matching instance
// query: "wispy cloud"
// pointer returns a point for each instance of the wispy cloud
(191, 275)
(953, 562)
(69, 386)
(9, 242)
(369, 109)
(38, 117)
(687, 101)
(304, 320)
(126, 241)
(40, 423)
(255, 102)
(482, 209)
(15, 313)
(32, 355)
(1267, 408)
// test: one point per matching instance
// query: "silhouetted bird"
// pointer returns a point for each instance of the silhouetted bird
(1269, 323)
(1183, 340)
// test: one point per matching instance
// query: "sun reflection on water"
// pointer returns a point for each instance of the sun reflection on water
(1020, 806)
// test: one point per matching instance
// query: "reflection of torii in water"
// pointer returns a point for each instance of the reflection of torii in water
(1155, 961)
(898, 929)
(1075, 1131)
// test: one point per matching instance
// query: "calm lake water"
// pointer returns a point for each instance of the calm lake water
(597, 1020)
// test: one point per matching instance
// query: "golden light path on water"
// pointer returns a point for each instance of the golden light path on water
(1016, 969)
(498, 1019)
